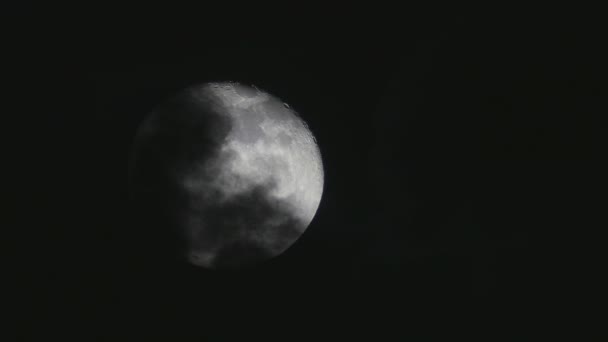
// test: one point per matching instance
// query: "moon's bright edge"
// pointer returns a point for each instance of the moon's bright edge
(268, 151)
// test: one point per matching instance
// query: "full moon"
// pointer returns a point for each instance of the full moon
(232, 169)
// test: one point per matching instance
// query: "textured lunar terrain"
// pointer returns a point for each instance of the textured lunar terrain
(240, 170)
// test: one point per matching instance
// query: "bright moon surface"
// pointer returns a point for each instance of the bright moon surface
(266, 172)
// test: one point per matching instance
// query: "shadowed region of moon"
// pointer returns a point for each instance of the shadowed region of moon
(231, 169)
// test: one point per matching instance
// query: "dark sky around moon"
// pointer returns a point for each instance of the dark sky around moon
(464, 164)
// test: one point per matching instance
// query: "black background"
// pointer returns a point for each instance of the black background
(464, 177)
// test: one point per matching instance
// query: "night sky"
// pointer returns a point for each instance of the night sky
(464, 175)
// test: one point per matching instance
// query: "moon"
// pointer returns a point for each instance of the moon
(232, 169)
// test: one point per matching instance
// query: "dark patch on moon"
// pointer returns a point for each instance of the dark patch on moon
(250, 129)
(234, 224)
(182, 130)
(179, 133)
(284, 138)
(243, 91)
